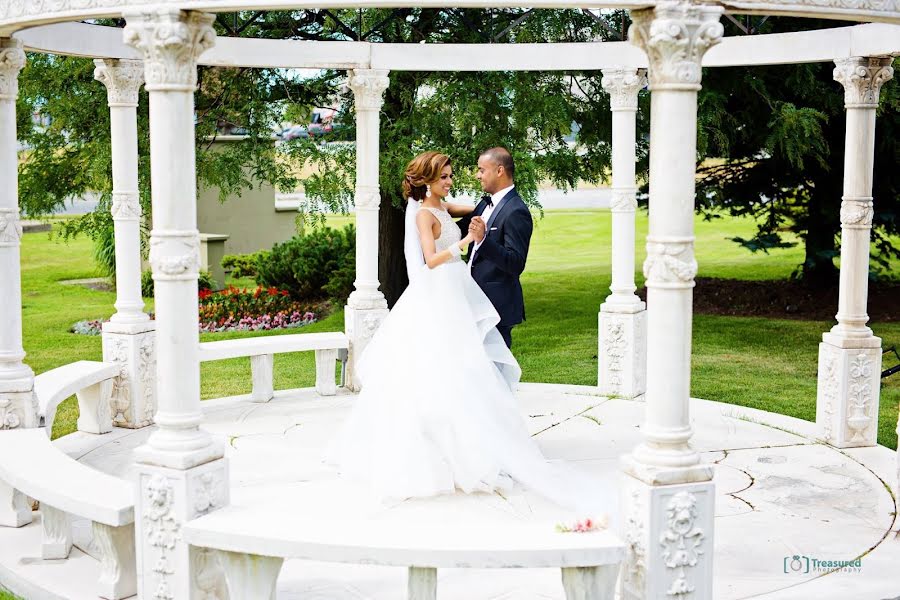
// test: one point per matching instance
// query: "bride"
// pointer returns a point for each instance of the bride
(437, 412)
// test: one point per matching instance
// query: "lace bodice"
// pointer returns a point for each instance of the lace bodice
(450, 233)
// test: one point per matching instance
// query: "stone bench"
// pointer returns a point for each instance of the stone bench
(90, 381)
(38, 469)
(252, 545)
(261, 351)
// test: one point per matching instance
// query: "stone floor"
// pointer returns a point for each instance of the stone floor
(779, 495)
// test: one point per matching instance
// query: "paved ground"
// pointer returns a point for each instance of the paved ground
(779, 495)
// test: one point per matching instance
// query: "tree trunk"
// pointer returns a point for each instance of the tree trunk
(821, 235)
(391, 262)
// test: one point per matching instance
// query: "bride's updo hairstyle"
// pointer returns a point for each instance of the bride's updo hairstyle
(424, 169)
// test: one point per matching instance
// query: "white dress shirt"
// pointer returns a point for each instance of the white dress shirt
(486, 215)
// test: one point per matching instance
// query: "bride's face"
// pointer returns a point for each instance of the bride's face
(441, 187)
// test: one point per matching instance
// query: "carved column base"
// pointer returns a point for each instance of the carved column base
(847, 395)
(18, 410)
(168, 498)
(360, 324)
(133, 401)
(668, 532)
(622, 351)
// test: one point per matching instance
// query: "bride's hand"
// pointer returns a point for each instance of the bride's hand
(468, 239)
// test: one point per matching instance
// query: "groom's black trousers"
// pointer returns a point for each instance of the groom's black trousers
(506, 333)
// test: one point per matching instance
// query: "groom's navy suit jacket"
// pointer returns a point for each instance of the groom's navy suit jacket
(500, 258)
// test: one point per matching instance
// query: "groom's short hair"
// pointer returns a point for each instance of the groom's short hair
(502, 157)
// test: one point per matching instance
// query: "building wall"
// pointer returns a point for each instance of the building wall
(250, 220)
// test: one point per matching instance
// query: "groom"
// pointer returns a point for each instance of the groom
(501, 224)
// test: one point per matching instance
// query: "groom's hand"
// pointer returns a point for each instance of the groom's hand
(477, 228)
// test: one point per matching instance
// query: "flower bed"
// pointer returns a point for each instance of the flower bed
(235, 309)
(252, 310)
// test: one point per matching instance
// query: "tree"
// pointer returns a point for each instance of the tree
(776, 137)
(458, 113)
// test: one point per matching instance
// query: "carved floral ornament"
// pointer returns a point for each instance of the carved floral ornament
(12, 59)
(367, 197)
(10, 227)
(675, 36)
(862, 79)
(126, 206)
(170, 40)
(122, 78)
(175, 254)
(368, 87)
(857, 213)
(670, 263)
(623, 200)
(623, 86)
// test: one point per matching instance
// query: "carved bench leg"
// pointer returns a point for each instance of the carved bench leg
(250, 575)
(590, 583)
(325, 360)
(15, 510)
(57, 538)
(422, 583)
(118, 572)
(262, 370)
(94, 413)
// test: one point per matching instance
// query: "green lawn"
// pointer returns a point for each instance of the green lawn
(761, 363)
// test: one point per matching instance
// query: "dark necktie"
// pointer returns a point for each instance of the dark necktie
(488, 198)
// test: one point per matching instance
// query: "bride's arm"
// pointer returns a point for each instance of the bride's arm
(459, 210)
(424, 222)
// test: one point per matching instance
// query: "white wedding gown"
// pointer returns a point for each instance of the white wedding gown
(437, 411)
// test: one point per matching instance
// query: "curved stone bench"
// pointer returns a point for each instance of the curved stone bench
(34, 466)
(252, 545)
(328, 346)
(90, 381)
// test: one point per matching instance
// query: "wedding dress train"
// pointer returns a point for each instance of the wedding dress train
(437, 411)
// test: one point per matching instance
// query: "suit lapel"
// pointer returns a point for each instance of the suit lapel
(500, 206)
(479, 208)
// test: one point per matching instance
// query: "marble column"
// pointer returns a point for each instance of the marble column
(18, 404)
(622, 322)
(366, 306)
(668, 494)
(850, 355)
(180, 470)
(128, 337)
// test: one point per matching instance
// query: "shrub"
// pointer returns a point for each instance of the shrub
(306, 265)
(242, 265)
(340, 284)
(204, 282)
(147, 284)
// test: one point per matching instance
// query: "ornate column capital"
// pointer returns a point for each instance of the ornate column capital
(368, 87)
(675, 35)
(123, 79)
(171, 40)
(12, 59)
(862, 79)
(623, 85)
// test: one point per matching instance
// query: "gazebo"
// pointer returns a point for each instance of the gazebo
(170, 531)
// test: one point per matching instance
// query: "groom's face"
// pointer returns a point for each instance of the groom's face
(488, 172)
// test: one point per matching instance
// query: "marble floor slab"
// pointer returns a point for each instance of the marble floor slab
(779, 495)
